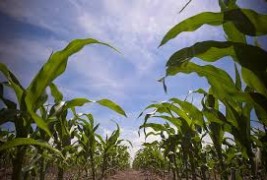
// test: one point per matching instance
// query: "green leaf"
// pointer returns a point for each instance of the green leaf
(214, 76)
(246, 21)
(194, 113)
(221, 91)
(27, 141)
(237, 79)
(253, 81)
(233, 34)
(55, 93)
(76, 102)
(39, 121)
(154, 126)
(175, 121)
(193, 23)
(54, 67)
(111, 105)
(211, 51)
(13, 81)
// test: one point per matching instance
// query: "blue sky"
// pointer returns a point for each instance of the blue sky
(32, 29)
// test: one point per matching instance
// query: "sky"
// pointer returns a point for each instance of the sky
(30, 30)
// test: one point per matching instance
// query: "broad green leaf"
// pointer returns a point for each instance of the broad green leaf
(173, 120)
(261, 109)
(211, 51)
(214, 76)
(170, 111)
(253, 81)
(191, 110)
(222, 91)
(111, 105)
(39, 121)
(54, 67)
(13, 81)
(154, 126)
(246, 21)
(27, 141)
(55, 93)
(215, 116)
(76, 102)
(232, 33)
(193, 23)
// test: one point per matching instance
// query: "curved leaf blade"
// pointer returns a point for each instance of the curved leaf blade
(193, 23)
(58, 96)
(54, 67)
(27, 141)
(111, 105)
(246, 21)
(13, 81)
(211, 51)
(76, 102)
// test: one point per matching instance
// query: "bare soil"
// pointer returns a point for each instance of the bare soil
(5, 174)
(137, 175)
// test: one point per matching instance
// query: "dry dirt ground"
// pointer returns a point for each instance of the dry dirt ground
(136, 175)
(119, 175)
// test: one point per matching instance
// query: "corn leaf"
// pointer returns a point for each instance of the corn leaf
(111, 105)
(76, 102)
(214, 76)
(191, 110)
(54, 67)
(238, 82)
(27, 141)
(246, 21)
(253, 81)
(13, 81)
(154, 126)
(211, 51)
(55, 93)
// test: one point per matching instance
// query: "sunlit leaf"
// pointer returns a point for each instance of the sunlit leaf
(211, 51)
(76, 102)
(27, 141)
(54, 67)
(55, 93)
(111, 105)
(246, 21)
(13, 81)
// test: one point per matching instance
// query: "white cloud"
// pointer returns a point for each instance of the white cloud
(136, 26)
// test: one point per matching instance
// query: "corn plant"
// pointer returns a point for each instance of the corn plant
(29, 109)
(88, 141)
(234, 155)
(149, 157)
(185, 137)
(112, 152)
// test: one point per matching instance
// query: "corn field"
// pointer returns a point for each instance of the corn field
(222, 136)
